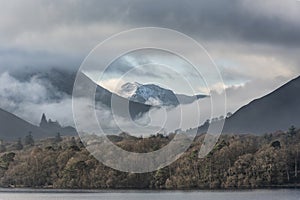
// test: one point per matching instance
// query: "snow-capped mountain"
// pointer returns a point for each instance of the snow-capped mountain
(128, 89)
(154, 95)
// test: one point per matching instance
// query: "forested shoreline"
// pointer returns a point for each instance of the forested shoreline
(236, 162)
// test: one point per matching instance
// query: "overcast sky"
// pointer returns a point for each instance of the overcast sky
(256, 44)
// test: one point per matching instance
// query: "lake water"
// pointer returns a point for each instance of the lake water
(287, 194)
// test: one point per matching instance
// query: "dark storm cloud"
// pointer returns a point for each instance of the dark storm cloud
(61, 33)
(214, 19)
(25, 61)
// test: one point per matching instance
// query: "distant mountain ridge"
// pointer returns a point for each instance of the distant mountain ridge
(151, 94)
(63, 81)
(12, 127)
(275, 111)
(104, 97)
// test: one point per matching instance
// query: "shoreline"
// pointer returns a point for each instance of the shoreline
(133, 190)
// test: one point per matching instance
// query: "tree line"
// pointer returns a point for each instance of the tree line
(237, 161)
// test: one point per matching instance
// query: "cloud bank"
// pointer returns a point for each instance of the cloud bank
(255, 44)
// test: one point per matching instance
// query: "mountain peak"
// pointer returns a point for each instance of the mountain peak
(149, 94)
(128, 89)
(49, 124)
(154, 95)
(43, 120)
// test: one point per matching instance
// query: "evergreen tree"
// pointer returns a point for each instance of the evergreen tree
(2, 146)
(29, 140)
(58, 137)
(19, 145)
(292, 130)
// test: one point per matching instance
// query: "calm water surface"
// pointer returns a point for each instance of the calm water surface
(288, 194)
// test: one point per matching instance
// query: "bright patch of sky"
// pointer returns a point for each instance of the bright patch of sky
(156, 67)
